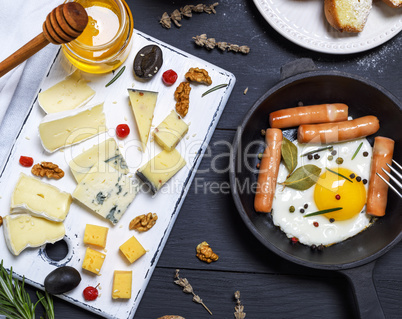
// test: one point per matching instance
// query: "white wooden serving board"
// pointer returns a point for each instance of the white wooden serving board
(203, 116)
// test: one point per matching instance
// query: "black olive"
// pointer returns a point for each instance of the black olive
(61, 280)
(148, 61)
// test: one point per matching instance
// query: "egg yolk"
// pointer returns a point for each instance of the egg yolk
(333, 191)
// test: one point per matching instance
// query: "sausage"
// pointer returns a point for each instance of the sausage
(338, 132)
(312, 114)
(378, 190)
(269, 169)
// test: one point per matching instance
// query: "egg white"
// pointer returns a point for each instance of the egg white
(295, 224)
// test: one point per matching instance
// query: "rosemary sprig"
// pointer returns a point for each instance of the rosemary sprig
(318, 150)
(116, 76)
(220, 86)
(188, 289)
(357, 151)
(320, 212)
(333, 172)
(15, 302)
(47, 303)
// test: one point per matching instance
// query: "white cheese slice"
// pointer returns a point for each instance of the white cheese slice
(143, 105)
(107, 152)
(23, 230)
(68, 94)
(106, 191)
(169, 133)
(40, 199)
(66, 128)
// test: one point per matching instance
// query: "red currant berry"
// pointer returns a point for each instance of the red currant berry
(122, 130)
(169, 77)
(26, 161)
(90, 293)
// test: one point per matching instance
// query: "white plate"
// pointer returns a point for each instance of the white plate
(303, 22)
(204, 114)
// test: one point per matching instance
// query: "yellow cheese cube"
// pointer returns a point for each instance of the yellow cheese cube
(122, 284)
(132, 249)
(93, 261)
(169, 133)
(95, 235)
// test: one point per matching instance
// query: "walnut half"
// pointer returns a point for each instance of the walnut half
(182, 96)
(198, 75)
(47, 169)
(143, 222)
(205, 253)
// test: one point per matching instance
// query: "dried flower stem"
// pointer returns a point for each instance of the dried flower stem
(239, 308)
(188, 289)
(210, 43)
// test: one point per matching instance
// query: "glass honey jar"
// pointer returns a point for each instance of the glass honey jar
(106, 41)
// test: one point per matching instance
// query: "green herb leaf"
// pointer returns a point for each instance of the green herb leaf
(220, 86)
(289, 154)
(318, 150)
(116, 76)
(303, 178)
(321, 212)
(357, 151)
(343, 176)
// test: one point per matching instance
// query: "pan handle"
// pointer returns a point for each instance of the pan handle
(364, 290)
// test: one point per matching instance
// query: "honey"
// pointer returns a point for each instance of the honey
(106, 41)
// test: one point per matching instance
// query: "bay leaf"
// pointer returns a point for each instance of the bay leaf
(303, 178)
(289, 155)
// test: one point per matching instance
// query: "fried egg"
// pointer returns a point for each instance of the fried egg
(348, 194)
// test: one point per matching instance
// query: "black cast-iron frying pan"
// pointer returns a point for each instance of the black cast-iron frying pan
(354, 257)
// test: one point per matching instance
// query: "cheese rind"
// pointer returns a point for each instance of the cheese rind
(68, 94)
(106, 191)
(107, 152)
(161, 168)
(93, 261)
(169, 133)
(95, 235)
(66, 128)
(132, 249)
(143, 105)
(40, 199)
(23, 230)
(122, 281)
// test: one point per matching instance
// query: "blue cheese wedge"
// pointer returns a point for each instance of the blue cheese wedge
(106, 191)
(66, 128)
(23, 230)
(107, 152)
(169, 133)
(68, 94)
(40, 199)
(160, 169)
(143, 105)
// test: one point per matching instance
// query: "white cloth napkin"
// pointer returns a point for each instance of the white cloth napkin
(21, 21)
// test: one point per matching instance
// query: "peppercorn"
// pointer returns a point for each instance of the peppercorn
(310, 157)
(333, 152)
(364, 181)
(313, 247)
(292, 209)
(316, 224)
(258, 165)
(339, 160)
(352, 175)
(365, 154)
(320, 247)
(337, 196)
(358, 178)
(302, 210)
(263, 132)
(331, 220)
(330, 158)
(305, 206)
(259, 155)
(316, 156)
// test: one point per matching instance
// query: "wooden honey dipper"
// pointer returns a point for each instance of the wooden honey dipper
(64, 24)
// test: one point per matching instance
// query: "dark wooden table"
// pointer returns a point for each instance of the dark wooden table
(270, 286)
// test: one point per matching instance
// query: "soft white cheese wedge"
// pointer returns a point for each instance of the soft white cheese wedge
(143, 105)
(106, 191)
(107, 152)
(161, 168)
(40, 199)
(169, 133)
(66, 128)
(23, 230)
(68, 94)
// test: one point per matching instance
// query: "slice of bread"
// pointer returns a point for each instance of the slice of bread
(394, 3)
(348, 15)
